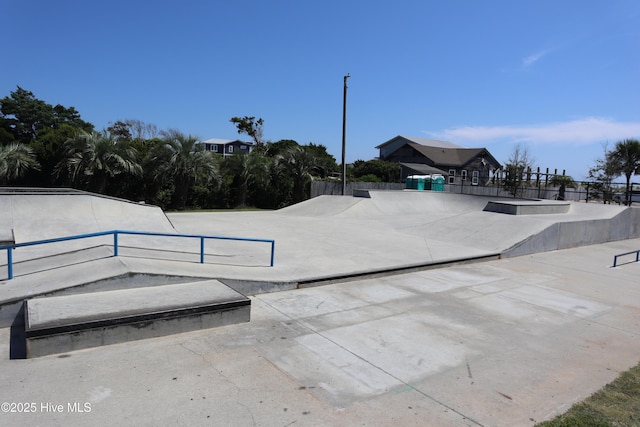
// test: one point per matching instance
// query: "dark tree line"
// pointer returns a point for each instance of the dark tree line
(51, 146)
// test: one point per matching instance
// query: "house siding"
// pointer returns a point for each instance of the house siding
(456, 162)
(227, 148)
(407, 154)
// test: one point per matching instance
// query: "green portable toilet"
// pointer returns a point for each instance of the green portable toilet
(418, 182)
(427, 182)
(411, 183)
(437, 183)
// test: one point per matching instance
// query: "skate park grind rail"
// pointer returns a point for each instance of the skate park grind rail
(636, 253)
(116, 233)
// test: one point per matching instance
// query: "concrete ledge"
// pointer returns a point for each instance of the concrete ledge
(71, 322)
(6, 236)
(527, 207)
(361, 192)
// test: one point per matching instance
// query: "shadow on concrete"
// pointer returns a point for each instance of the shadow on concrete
(18, 339)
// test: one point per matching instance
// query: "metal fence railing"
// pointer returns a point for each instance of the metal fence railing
(11, 247)
(636, 253)
(583, 191)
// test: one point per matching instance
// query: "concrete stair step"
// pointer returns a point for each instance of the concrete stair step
(60, 324)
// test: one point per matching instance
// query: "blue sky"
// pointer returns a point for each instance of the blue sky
(560, 77)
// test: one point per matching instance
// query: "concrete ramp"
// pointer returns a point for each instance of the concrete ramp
(581, 231)
(380, 203)
(322, 206)
(444, 220)
(427, 202)
(41, 215)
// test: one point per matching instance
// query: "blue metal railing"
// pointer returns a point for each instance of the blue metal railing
(615, 257)
(115, 233)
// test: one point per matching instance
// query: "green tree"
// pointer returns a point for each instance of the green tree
(6, 137)
(384, 171)
(302, 165)
(48, 148)
(244, 171)
(120, 130)
(564, 182)
(15, 161)
(519, 162)
(131, 129)
(182, 160)
(325, 162)
(91, 158)
(625, 160)
(601, 177)
(24, 116)
(274, 149)
(250, 126)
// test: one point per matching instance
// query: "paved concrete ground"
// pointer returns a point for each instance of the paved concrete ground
(498, 343)
(328, 236)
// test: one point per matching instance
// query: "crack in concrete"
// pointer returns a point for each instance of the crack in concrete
(423, 393)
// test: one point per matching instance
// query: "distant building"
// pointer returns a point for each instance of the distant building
(227, 147)
(422, 156)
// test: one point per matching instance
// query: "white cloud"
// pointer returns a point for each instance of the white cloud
(586, 131)
(532, 59)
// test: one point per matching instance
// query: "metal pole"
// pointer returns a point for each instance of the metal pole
(10, 263)
(273, 251)
(344, 135)
(115, 243)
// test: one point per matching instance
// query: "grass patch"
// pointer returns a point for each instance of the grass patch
(616, 404)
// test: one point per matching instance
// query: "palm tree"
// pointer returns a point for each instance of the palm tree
(96, 157)
(180, 158)
(625, 160)
(15, 161)
(245, 169)
(302, 165)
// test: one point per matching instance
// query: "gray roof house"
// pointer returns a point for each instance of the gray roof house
(460, 165)
(227, 147)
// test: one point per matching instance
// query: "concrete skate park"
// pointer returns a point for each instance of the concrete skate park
(403, 307)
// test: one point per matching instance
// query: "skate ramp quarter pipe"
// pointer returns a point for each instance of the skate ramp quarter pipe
(30, 217)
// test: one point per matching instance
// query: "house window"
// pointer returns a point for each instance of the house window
(464, 175)
(475, 178)
(452, 176)
(214, 147)
(231, 149)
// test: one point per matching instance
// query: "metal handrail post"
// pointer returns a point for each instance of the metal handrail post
(115, 243)
(273, 251)
(10, 263)
(615, 257)
(201, 250)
